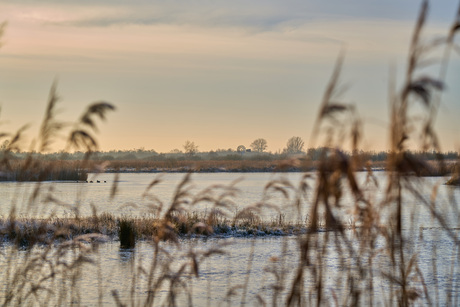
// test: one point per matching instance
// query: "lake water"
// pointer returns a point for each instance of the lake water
(70, 197)
(266, 258)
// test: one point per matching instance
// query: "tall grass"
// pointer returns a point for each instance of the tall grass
(376, 260)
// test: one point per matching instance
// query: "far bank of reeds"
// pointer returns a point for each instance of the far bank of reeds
(35, 170)
(77, 170)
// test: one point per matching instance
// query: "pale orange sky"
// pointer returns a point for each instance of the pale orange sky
(220, 74)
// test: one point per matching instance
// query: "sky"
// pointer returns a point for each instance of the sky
(218, 73)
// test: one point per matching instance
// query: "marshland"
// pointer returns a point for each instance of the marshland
(335, 225)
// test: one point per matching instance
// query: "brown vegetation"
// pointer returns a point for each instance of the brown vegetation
(378, 245)
(36, 170)
(199, 166)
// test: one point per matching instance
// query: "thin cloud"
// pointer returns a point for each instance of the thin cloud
(220, 18)
(255, 15)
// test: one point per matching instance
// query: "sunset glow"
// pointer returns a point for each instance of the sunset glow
(220, 74)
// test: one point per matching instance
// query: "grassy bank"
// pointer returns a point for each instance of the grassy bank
(200, 166)
(76, 170)
(27, 232)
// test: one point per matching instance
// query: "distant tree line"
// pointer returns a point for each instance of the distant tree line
(294, 146)
(313, 154)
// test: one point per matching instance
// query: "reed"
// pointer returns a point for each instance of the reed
(126, 233)
(377, 258)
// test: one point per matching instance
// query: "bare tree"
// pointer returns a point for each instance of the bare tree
(259, 145)
(294, 145)
(190, 148)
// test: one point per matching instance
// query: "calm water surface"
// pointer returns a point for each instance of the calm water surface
(113, 267)
(69, 198)
(246, 261)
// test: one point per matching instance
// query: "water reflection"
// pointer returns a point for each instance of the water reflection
(253, 267)
(126, 255)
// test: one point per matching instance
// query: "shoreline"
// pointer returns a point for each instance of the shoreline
(221, 170)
